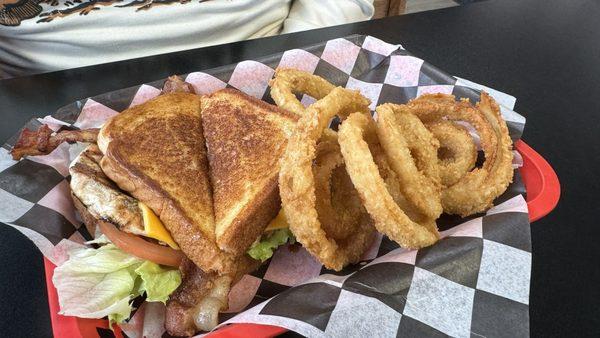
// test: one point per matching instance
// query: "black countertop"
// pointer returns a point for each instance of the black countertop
(544, 52)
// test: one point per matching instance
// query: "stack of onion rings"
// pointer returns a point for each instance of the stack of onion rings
(398, 174)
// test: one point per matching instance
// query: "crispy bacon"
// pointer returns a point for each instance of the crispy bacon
(176, 85)
(195, 285)
(42, 142)
(196, 304)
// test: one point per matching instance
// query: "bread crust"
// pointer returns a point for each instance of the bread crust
(250, 223)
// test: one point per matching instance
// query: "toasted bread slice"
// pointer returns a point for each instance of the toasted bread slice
(156, 152)
(245, 138)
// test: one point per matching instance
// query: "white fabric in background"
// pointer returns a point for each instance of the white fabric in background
(112, 33)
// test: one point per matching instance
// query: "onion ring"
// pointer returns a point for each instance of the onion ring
(337, 202)
(298, 188)
(457, 153)
(389, 218)
(392, 182)
(288, 82)
(437, 107)
(402, 136)
(478, 188)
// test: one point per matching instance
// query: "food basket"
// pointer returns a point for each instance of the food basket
(543, 192)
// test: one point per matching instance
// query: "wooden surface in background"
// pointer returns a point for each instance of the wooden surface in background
(385, 8)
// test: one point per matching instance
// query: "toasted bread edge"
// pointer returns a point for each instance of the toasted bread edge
(252, 220)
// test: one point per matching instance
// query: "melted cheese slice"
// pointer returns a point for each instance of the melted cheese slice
(154, 228)
(279, 222)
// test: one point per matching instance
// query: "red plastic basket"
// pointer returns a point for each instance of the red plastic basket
(543, 193)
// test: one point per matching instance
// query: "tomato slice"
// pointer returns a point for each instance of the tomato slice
(141, 248)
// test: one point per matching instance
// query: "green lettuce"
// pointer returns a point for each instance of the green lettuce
(263, 249)
(94, 283)
(158, 283)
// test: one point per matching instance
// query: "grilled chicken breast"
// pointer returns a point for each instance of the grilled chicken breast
(100, 196)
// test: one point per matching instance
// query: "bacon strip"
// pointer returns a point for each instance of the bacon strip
(195, 305)
(42, 142)
(176, 85)
(196, 284)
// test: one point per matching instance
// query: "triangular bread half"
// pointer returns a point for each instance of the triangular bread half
(245, 139)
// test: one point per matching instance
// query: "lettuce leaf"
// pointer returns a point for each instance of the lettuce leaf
(94, 283)
(263, 249)
(157, 282)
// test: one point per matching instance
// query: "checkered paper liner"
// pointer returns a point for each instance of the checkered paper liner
(475, 281)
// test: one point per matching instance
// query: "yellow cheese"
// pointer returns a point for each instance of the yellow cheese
(279, 222)
(154, 227)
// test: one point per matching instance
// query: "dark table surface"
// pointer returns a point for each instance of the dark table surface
(544, 52)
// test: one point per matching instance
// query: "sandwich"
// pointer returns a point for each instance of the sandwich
(155, 152)
(187, 183)
(183, 166)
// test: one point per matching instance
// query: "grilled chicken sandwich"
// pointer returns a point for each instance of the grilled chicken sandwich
(156, 152)
(184, 181)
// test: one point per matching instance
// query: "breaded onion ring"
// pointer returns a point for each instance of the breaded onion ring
(389, 218)
(337, 202)
(457, 153)
(288, 82)
(392, 183)
(298, 188)
(402, 136)
(477, 189)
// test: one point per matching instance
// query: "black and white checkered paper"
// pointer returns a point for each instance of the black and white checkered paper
(473, 282)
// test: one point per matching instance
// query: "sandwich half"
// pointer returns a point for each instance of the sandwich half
(147, 182)
(245, 139)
